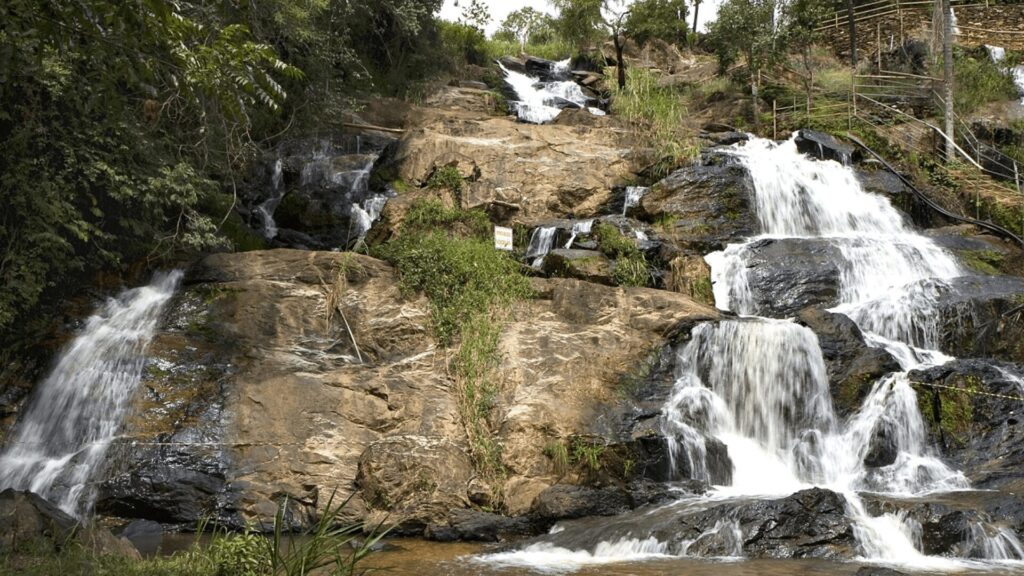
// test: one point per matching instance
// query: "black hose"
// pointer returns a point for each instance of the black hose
(997, 229)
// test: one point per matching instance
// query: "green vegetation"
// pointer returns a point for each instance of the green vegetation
(330, 547)
(657, 19)
(446, 177)
(984, 261)
(587, 454)
(559, 455)
(657, 114)
(978, 82)
(631, 266)
(951, 412)
(447, 254)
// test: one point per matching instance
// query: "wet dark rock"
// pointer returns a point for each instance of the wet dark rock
(824, 147)
(726, 138)
(809, 524)
(475, 525)
(655, 463)
(563, 501)
(30, 523)
(145, 535)
(882, 182)
(852, 365)
(543, 69)
(983, 316)
(786, 275)
(882, 449)
(980, 433)
(703, 207)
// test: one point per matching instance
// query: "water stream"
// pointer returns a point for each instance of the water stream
(758, 385)
(539, 102)
(60, 443)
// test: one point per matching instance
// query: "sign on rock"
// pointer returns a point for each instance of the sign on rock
(503, 238)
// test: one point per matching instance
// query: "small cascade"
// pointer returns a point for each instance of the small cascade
(59, 444)
(579, 227)
(539, 102)
(268, 206)
(1011, 377)
(998, 54)
(365, 215)
(993, 543)
(633, 196)
(541, 241)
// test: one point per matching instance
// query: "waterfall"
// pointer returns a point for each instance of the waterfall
(633, 196)
(998, 54)
(541, 241)
(268, 206)
(365, 215)
(539, 102)
(59, 444)
(579, 227)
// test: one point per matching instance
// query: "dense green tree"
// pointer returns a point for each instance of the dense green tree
(526, 26)
(800, 18)
(579, 22)
(747, 29)
(661, 19)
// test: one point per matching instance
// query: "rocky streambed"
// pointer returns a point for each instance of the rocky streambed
(629, 418)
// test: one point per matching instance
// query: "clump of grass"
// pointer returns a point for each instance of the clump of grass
(555, 50)
(559, 456)
(446, 177)
(631, 266)
(657, 113)
(447, 254)
(587, 454)
(330, 547)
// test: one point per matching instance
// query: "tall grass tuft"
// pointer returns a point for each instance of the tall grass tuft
(657, 113)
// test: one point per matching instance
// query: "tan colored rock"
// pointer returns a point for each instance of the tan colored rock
(260, 394)
(539, 172)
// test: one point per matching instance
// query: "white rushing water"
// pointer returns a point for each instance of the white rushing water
(268, 206)
(363, 216)
(998, 54)
(579, 227)
(760, 387)
(60, 442)
(633, 195)
(539, 102)
(542, 240)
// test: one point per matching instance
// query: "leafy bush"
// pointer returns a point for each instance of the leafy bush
(464, 43)
(657, 19)
(979, 81)
(631, 266)
(446, 177)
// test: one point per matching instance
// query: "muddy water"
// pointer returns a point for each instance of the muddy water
(421, 558)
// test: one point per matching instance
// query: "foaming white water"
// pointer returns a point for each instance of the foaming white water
(633, 196)
(60, 442)
(364, 216)
(579, 227)
(546, 557)
(996, 53)
(541, 241)
(268, 206)
(539, 102)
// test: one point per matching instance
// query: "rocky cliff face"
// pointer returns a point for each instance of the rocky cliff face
(300, 374)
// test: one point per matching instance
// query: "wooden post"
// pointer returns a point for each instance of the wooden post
(853, 33)
(775, 121)
(899, 14)
(878, 41)
(947, 79)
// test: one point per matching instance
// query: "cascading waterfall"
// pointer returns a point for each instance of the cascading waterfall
(59, 444)
(539, 102)
(364, 216)
(579, 227)
(759, 385)
(632, 197)
(268, 206)
(541, 241)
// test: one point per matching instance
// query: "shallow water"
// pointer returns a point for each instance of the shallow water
(421, 558)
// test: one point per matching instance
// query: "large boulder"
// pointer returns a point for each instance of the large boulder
(30, 524)
(982, 316)
(301, 375)
(705, 206)
(522, 172)
(589, 265)
(786, 275)
(852, 365)
(972, 411)
(809, 524)
(824, 146)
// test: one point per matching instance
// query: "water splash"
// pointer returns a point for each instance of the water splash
(579, 227)
(539, 102)
(268, 206)
(364, 216)
(633, 195)
(59, 444)
(541, 241)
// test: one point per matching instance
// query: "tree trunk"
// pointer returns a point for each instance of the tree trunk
(853, 34)
(696, 9)
(620, 65)
(947, 74)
